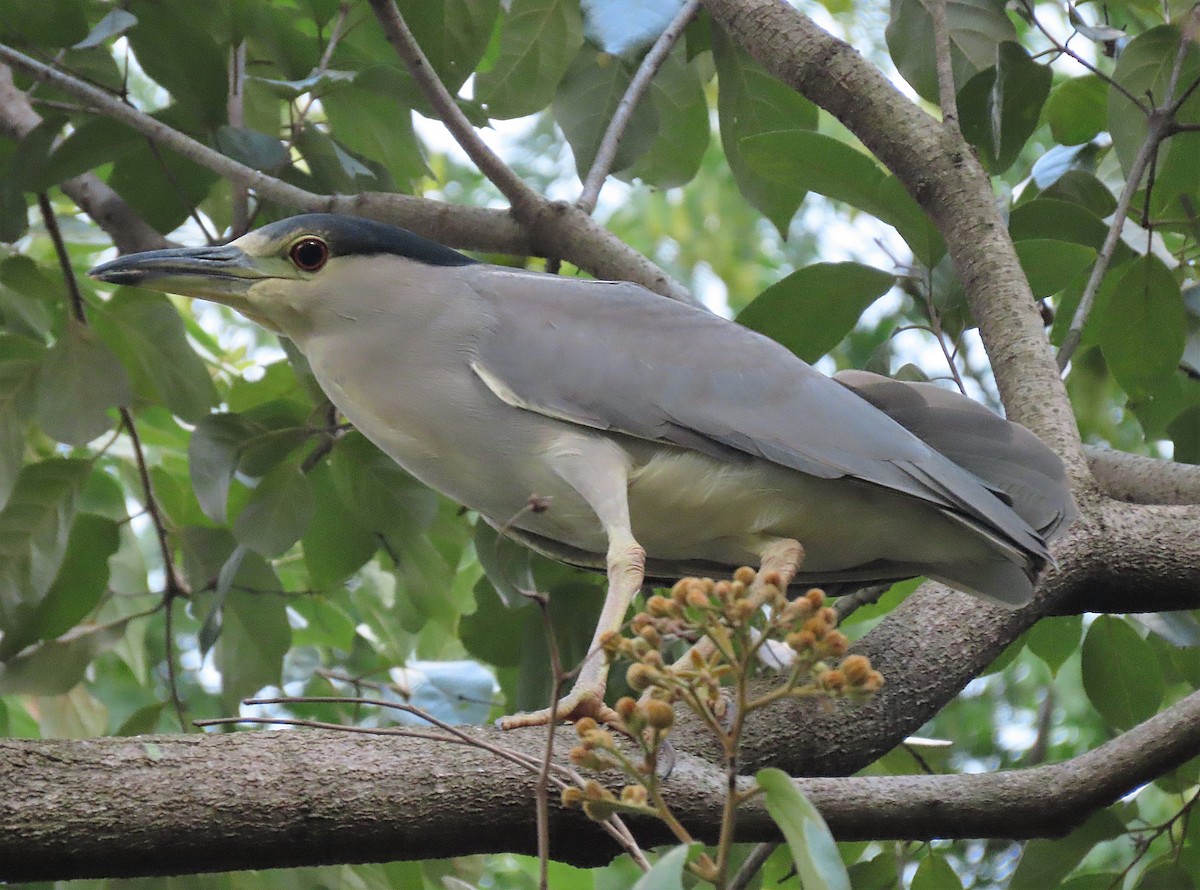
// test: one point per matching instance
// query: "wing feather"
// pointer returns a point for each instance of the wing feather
(614, 356)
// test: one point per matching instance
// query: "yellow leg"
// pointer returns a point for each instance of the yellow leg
(598, 470)
(626, 572)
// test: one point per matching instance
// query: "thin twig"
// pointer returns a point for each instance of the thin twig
(751, 865)
(850, 603)
(542, 789)
(606, 152)
(64, 259)
(174, 586)
(945, 65)
(1156, 131)
(518, 193)
(1082, 60)
(236, 111)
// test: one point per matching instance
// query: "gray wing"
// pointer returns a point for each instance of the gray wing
(1005, 455)
(614, 356)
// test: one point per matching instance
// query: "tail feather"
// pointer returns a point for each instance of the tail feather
(1008, 458)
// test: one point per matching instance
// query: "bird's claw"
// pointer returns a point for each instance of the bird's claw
(574, 706)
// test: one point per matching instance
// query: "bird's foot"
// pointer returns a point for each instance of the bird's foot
(576, 705)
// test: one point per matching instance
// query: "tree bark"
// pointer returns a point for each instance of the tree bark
(156, 805)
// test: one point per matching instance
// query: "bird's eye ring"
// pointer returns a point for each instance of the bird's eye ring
(309, 254)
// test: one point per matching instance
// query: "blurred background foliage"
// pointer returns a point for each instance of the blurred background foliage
(282, 551)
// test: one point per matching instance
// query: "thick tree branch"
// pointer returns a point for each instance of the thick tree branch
(185, 804)
(123, 224)
(940, 170)
(1144, 480)
(556, 229)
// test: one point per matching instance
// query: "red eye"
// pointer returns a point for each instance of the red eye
(309, 254)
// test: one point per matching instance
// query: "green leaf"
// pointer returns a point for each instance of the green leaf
(370, 123)
(751, 102)
(213, 454)
(372, 485)
(192, 70)
(336, 543)
(81, 379)
(818, 163)
(144, 176)
(1145, 67)
(1000, 107)
(252, 148)
(667, 873)
(48, 23)
(1019, 92)
(935, 873)
(91, 144)
(335, 168)
(35, 527)
(148, 335)
(81, 582)
(318, 83)
(976, 28)
(683, 131)
(278, 512)
(1045, 863)
(1084, 189)
(1185, 433)
(507, 565)
(585, 102)
(18, 377)
(1076, 109)
(813, 848)
(454, 34)
(811, 310)
(1051, 266)
(55, 666)
(491, 632)
(115, 23)
(1054, 640)
(22, 170)
(1121, 674)
(1140, 324)
(255, 635)
(538, 40)
(1056, 220)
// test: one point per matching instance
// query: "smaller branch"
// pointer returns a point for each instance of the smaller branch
(752, 865)
(175, 586)
(519, 194)
(1065, 50)
(1144, 480)
(236, 110)
(64, 259)
(611, 141)
(1157, 129)
(945, 67)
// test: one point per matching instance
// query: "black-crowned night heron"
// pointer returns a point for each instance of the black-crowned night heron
(665, 440)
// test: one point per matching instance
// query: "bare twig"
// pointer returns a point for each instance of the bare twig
(175, 586)
(751, 865)
(653, 60)
(236, 111)
(519, 194)
(1065, 50)
(1157, 127)
(945, 67)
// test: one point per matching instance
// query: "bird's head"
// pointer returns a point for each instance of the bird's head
(279, 274)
